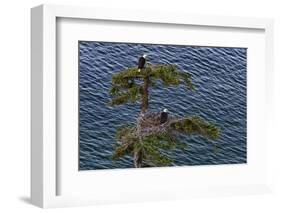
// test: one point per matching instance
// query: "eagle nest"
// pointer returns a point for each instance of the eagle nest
(149, 124)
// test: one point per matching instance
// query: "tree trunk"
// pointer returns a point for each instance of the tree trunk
(138, 159)
(144, 104)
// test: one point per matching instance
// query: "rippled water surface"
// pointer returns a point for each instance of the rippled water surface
(219, 77)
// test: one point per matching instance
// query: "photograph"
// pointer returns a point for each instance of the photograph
(161, 105)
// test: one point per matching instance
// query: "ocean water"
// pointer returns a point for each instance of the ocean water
(219, 78)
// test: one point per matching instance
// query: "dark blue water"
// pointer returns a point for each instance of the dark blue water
(219, 77)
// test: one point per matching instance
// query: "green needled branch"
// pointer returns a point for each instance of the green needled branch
(130, 85)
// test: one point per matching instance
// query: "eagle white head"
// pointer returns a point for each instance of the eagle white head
(165, 110)
(144, 55)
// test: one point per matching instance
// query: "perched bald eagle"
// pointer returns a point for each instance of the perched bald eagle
(141, 63)
(164, 116)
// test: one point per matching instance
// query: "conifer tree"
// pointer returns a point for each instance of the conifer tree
(149, 140)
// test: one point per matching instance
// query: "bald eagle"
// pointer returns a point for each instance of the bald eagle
(164, 116)
(141, 62)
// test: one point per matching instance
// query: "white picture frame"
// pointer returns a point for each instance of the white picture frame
(44, 149)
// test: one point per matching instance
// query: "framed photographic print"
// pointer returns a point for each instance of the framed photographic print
(133, 105)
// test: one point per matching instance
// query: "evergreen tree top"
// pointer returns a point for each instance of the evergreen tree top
(127, 87)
